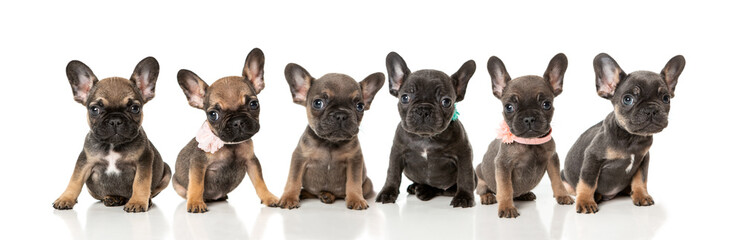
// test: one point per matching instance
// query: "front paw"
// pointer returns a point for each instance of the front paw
(642, 199)
(136, 206)
(356, 203)
(586, 206)
(196, 206)
(270, 201)
(63, 203)
(289, 202)
(506, 211)
(488, 199)
(564, 200)
(388, 195)
(463, 199)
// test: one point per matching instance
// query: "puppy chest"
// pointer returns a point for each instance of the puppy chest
(113, 163)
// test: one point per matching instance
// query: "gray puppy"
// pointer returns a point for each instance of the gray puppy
(516, 161)
(118, 163)
(430, 146)
(328, 162)
(612, 157)
(215, 162)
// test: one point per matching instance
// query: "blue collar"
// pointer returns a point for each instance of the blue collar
(456, 114)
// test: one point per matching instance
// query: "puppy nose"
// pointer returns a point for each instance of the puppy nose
(651, 111)
(339, 116)
(237, 122)
(114, 122)
(529, 120)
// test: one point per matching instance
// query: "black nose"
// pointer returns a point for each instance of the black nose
(339, 116)
(529, 120)
(115, 122)
(238, 122)
(424, 111)
(650, 111)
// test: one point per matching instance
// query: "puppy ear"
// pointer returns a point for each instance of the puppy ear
(370, 86)
(608, 75)
(397, 71)
(498, 75)
(81, 80)
(193, 87)
(555, 72)
(145, 77)
(253, 69)
(462, 77)
(672, 70)
(299, 82)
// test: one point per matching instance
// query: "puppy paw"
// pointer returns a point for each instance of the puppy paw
(586, 206)
(387, 195)
(505, 211)
(356, 203)
(463, 200)
(136, 206)
(113, 201)
(64, 203)
(289, 202)
(488, 199)
(425, 192)
(196, 206)
(270, 201)
(530, 196)
(326, 197)
(411, 188)
(642, 199)
(564, 200)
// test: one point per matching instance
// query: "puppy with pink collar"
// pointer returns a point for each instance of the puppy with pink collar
(524, 149)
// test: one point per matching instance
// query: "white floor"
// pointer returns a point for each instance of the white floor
(241, 217)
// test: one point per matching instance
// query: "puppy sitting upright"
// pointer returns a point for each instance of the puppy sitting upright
(118, 163)
(430, 144)
(612, 156)
(327, 162)
(516, 161)
(214, 162)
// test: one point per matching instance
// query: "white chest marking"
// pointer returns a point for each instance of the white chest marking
(424, 154)
(111, 158)
(631, 162)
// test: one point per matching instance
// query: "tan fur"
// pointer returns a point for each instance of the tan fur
(229, 93)
(504, 194)
(255, 174)
(558, 189)
(195, 194)
(141, 190)
(612, 154)
(74, 187)
(584, 200)
(639, 193)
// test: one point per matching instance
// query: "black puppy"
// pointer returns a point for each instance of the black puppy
(612, 156)
(430, 146)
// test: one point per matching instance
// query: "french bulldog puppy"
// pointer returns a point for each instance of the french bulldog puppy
(612, 157)
(430, 144)
(215, 162)
(328, 162)
(515, 162)
(118, 163)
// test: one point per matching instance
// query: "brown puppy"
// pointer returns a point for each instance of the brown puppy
(214, 163)
(516, 161)
(118, 163)
(327, 162)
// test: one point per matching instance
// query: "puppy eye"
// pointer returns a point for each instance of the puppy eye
(94, 110)
(547, 105)
(666, 98)
(446, 102)
(318, 104)
(360, 107)
(212, 115)
(509, 108)
(405, 99)
(628, 100)
(134, 108)
(254, 104)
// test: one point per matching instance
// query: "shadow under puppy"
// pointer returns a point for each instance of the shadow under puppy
(328, 162)
(612, 157)
(430, 144)
(118, 163)
(515, 162)
(215, 162)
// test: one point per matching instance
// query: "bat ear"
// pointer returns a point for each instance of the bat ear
(556, 72)
(671, 72)
(608, 75)
(193, 87)
(498, 75)
(299, 82)
(81, 80)
(397, 71)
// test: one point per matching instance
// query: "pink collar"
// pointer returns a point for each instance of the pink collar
(207, 140)
(504, 133)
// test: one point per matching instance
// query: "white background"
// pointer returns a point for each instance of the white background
(694, 172)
